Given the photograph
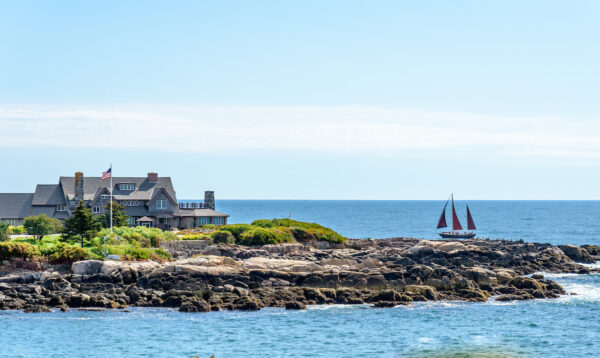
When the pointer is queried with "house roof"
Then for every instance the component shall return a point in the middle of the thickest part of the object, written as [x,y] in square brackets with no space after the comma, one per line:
[198,213]
[48,194]
[19,206]
[145,219]
[144,190]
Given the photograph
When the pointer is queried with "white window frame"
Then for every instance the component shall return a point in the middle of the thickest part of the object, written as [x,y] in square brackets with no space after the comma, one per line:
[127,187]
[96,209]
[105,196]
[12,222]
[61,208]
[131,203]
[161,204]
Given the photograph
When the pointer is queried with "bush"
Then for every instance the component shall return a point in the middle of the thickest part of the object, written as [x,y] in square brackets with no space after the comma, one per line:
[223,237]
[41,225]
[16,230]
[262,236]
[63,253]
[9,250]
[195,237]
[4,232]
[132,253]
[140,236]
[303,230]
[209,226]
[302,235]
[236,229]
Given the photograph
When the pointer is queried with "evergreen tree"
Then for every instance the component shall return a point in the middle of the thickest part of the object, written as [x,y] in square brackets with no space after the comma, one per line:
[82,224]
[119,217]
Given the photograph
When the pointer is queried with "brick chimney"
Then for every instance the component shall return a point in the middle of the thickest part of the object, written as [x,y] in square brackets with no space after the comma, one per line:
[209,199]
[78,187]
[152,177]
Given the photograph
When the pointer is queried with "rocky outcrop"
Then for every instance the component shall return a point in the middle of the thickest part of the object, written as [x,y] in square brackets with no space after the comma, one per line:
[384,273]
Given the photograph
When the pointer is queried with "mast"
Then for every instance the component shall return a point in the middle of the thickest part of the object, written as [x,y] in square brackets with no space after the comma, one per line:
[455,223]
[470,222]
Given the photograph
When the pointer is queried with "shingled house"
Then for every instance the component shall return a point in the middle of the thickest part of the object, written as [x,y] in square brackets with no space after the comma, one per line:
[149,201]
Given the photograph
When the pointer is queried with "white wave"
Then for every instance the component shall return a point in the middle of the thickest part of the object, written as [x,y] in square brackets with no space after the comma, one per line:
[595,265]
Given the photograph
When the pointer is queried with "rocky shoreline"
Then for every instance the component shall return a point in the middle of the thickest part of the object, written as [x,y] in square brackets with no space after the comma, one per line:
[384,272]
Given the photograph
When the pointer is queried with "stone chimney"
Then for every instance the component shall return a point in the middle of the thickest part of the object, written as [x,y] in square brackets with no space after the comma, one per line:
[78,187]
[152,177]
[209,199]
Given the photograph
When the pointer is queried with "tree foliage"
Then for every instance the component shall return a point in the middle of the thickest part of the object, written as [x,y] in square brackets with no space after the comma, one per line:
[41,225]
[82,224]
[4,234]
[119,216]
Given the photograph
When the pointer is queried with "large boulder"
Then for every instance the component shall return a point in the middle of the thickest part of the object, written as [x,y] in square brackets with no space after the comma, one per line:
[522,282]
[577,254]
[481,276]
[87,267]
[419,251]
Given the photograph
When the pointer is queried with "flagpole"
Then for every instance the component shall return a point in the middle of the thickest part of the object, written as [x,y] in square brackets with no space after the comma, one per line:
[111,200]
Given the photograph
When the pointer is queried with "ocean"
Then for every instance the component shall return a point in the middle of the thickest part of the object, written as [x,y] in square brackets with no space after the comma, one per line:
[555,222]
[565,327]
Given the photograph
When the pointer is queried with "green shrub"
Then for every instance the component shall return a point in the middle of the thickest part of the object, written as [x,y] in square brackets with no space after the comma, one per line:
[302,235]
[266,223]
[209,226]
[4,232]
[140,236]
[9,250]
[263,236]
[319,232]
[195,237]
[130,252]
[223,237]
[16,230]
[63,253]
[236,229]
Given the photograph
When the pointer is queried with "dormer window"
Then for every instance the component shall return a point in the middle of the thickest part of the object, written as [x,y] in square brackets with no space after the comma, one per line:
[127,187]
[60,208]
[161,204]
[104,197]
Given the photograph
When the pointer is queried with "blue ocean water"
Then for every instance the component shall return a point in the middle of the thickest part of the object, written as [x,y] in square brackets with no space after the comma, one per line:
[555,222]
[566,327]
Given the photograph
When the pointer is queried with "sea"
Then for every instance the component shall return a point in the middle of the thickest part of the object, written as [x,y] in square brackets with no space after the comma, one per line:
[564,327]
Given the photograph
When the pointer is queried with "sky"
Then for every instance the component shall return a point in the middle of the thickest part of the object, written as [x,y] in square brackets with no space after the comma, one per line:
[386,100]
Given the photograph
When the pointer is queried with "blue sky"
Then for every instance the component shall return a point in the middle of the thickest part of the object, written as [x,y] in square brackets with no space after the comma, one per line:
[306,99]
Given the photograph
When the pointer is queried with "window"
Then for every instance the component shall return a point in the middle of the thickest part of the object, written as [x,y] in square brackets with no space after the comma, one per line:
[218,220]
[128,187]
[96,209]
[131,221]
[161,204]
[202,221]
[12,222]
[60,208]
[130,203]
[104,197]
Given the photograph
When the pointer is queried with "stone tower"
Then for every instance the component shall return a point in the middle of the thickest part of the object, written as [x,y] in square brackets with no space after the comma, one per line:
[78,187]
[209,199]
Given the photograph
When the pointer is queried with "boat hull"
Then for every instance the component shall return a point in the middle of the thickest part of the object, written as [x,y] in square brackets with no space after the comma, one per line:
[457,235]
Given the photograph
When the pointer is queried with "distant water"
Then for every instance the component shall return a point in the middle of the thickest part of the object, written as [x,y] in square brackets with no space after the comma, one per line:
[567,327]
[556,222]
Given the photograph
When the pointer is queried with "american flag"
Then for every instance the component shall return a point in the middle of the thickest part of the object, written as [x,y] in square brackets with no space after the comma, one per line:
[107,174]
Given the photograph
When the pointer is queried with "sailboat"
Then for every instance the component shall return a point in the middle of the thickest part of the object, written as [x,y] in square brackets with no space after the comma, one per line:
[457,228]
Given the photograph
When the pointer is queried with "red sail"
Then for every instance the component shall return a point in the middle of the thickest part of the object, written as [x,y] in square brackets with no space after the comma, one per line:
[470,222]
[455,223]
[442,221]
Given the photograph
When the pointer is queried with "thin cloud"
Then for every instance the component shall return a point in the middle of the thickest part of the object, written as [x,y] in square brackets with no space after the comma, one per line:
[343,129]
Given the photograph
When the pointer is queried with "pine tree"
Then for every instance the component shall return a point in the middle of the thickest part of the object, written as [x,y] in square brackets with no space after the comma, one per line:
[119,216]
[82,224]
